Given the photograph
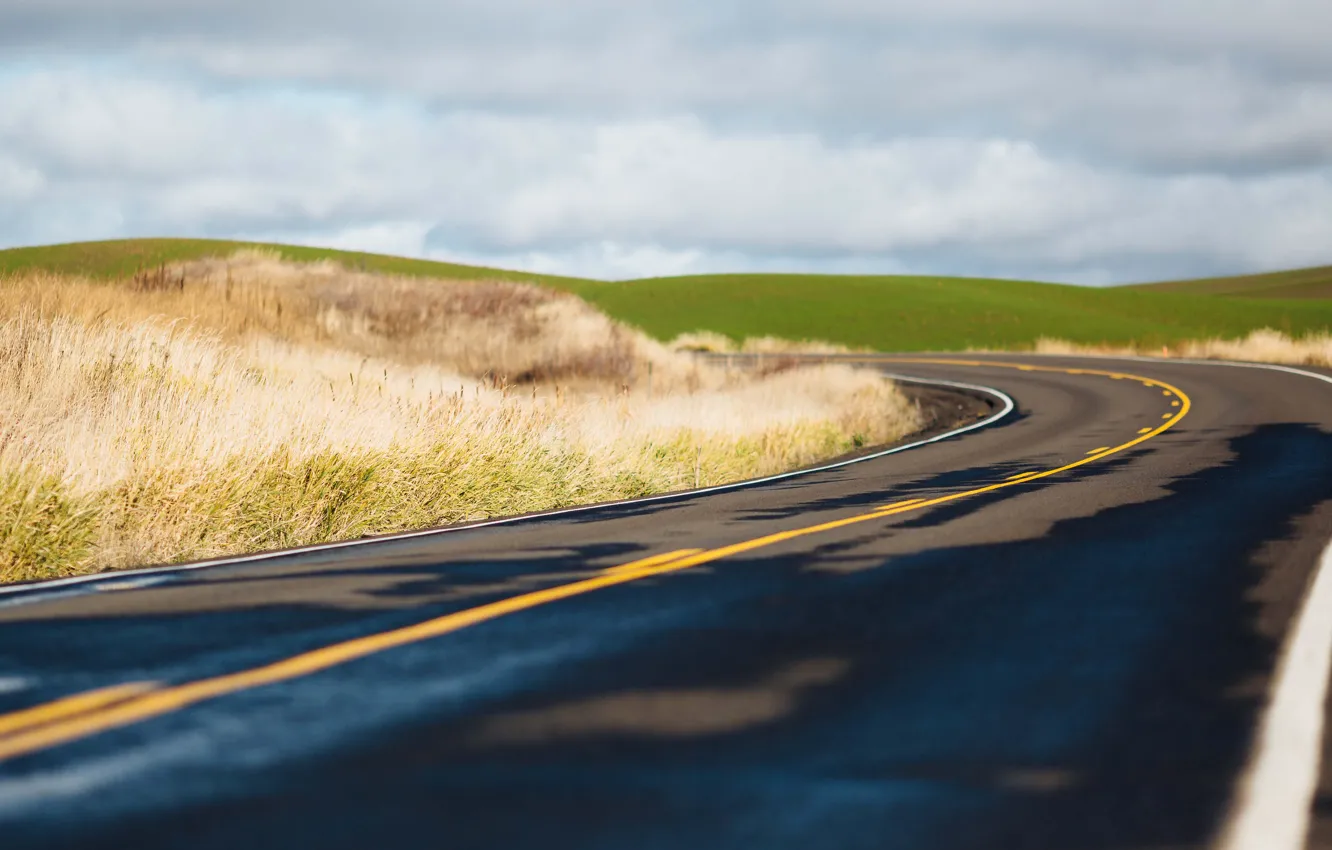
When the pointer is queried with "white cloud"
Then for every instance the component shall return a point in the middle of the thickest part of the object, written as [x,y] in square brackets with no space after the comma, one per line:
[397,238]
[1059,138]
[1221,83]
[18,181]
[1212,109]
[603,260]
[1286,28]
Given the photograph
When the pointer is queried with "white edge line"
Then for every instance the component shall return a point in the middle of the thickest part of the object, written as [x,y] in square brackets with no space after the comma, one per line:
[39,591]
[1276,792]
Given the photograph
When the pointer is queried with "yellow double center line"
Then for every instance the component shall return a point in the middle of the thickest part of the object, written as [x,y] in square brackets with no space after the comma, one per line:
[84,714]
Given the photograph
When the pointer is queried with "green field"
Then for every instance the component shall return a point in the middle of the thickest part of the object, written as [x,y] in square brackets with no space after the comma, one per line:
[929,313]
[1299,283]
[883,312]
[123,257]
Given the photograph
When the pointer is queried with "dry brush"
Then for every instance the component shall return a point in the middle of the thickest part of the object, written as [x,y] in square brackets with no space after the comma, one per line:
[1265,345]
[229,406]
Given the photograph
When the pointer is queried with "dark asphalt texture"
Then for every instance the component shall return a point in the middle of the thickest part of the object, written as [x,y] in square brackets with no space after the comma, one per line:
[1075,662]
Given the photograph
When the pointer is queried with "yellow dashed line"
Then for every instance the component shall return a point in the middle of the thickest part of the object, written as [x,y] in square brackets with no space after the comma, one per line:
[71,706]
[895,505]
[654,561]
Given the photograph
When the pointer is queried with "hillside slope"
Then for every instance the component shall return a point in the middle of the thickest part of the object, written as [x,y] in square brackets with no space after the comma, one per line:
[1298,283]
[248,403]
[881,312]
[930,313]
[123,257]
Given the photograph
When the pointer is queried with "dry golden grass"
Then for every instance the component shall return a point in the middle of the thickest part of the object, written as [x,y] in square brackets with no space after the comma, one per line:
[238,406]
[1260,346]
[712,342]
[503,331]
[1267,346]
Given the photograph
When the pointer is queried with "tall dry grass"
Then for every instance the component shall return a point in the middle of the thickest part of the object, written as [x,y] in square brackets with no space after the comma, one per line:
[1261,346]
[504,331]
[716,343]
[223,408]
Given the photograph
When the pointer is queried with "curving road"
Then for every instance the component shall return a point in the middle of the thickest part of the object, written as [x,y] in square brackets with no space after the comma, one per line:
[1069,628]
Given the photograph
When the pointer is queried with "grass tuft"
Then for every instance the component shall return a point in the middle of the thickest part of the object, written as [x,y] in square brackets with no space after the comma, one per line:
[44,531]
[1264,345]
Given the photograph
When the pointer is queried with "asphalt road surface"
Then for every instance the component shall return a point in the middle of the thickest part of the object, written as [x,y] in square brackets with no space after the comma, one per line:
[1070,628]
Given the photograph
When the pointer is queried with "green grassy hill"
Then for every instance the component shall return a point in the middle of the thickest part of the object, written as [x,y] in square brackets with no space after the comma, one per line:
[123,257]
[883,312]
[918,313]
[1298,283]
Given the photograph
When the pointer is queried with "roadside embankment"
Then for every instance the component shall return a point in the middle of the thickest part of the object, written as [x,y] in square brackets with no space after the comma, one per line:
[226,406]
[1261,346]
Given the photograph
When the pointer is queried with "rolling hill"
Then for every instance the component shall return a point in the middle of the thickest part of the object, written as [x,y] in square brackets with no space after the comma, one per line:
[1298,283]
[123,257]
[883,312]
[931,313]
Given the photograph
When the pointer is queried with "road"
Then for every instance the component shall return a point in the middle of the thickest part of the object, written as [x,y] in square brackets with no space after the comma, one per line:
[1061,630]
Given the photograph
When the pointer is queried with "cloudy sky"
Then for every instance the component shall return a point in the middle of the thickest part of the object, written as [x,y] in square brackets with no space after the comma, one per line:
[1075,140]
